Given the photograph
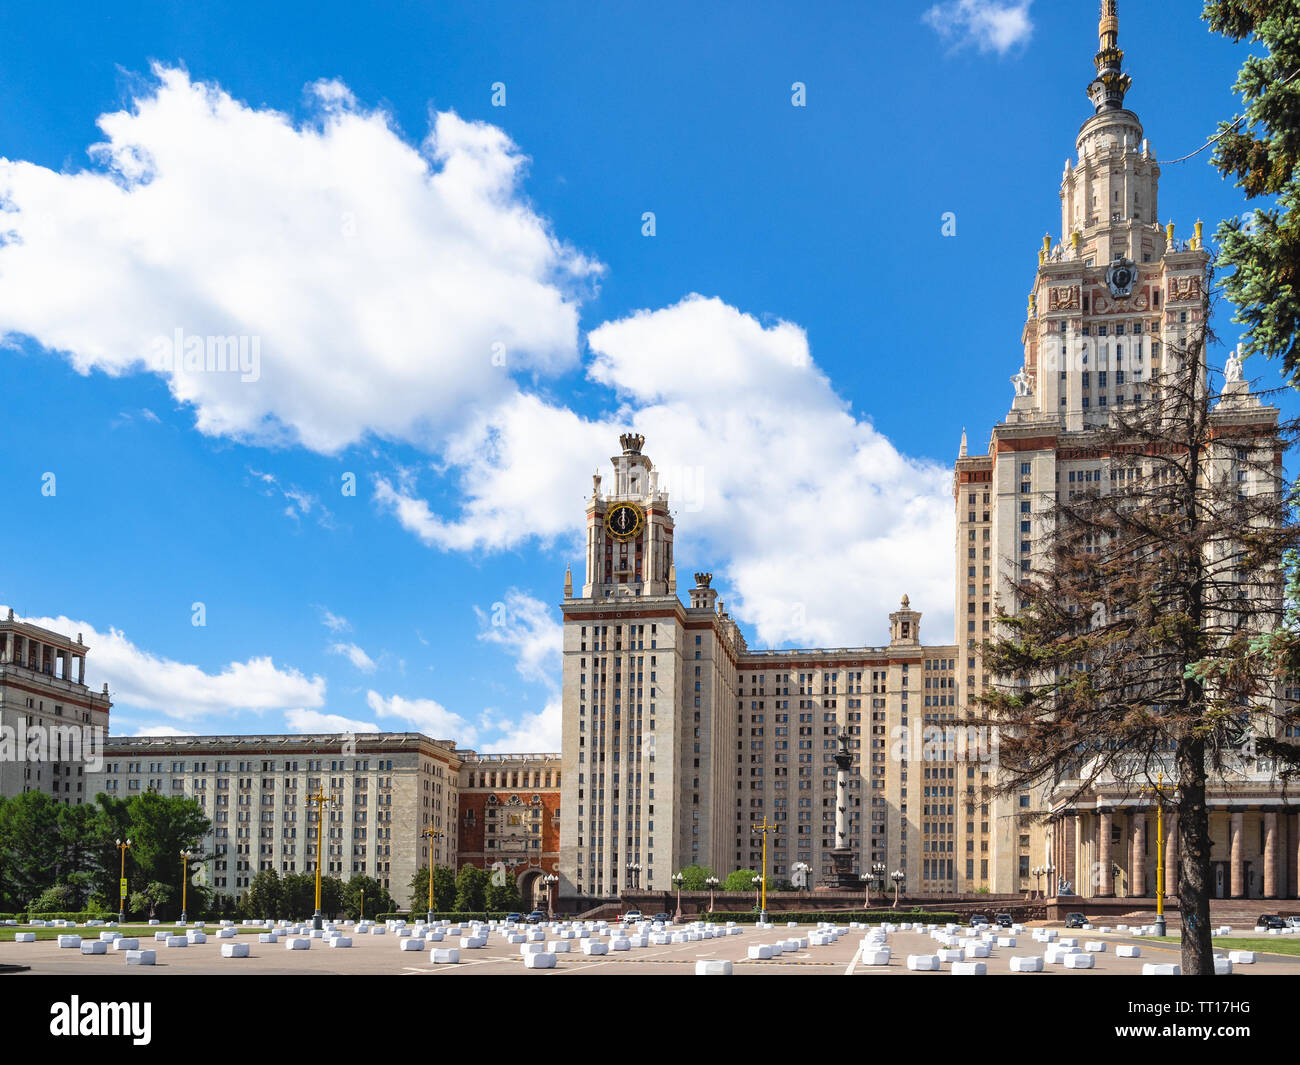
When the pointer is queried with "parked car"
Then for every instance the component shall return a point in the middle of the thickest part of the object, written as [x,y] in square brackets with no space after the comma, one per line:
[632,917]
[514,918]
[1075,920]
[1003,920]
[978,920]
[1293,922]
[662,917]
[1270,920]
[536,917]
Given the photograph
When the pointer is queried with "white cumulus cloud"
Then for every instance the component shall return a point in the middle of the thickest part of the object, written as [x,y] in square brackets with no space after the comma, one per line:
[141,679]
[386,288]
[424,715]
[314,721]
[989,25]
[355,655]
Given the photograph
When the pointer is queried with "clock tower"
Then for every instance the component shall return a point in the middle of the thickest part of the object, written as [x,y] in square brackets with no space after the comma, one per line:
[629,531]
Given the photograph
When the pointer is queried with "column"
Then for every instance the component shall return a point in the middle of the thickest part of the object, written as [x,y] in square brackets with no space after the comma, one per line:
[1106,886]
[9,648]
[81,669]
[1137,866]
[1237,864]
[1171,854]
[1270,855]
[1293,856]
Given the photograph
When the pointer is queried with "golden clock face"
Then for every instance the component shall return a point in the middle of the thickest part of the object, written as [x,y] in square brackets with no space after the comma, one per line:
[624,520]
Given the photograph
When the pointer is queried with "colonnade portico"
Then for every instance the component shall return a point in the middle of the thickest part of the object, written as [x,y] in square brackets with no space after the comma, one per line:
[56,659]
[1104,850]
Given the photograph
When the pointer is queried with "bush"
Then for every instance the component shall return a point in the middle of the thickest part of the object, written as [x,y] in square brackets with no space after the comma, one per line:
[59,897]
[71,915]
[453,915]
[13,917]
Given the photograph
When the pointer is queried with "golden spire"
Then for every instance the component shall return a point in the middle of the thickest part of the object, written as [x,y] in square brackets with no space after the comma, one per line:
[1111,83]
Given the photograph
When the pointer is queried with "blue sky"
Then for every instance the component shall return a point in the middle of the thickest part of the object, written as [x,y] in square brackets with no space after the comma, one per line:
[455,304]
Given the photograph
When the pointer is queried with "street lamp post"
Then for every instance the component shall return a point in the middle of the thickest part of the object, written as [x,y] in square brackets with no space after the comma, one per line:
[713,882]
[763,829]
[433,834]
[1049,870]
[550,880]
[322,802]
[757,882]
[185,884]
[677,879]
[897,876]
[123,845]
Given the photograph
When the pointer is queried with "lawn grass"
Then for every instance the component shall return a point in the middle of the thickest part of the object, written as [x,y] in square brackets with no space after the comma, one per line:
[1261,944]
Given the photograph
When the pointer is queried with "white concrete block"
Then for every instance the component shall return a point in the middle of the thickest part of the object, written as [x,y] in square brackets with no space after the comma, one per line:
[557,946]
[297,943]
[473,942]
[923,962]
[1006,941]
[172,942]
[24,937]
[969,968]
[1161,969]
[542,960]
[951,955]
[1094,946]
[410,943]
[445,956]
[227,933]
[762,951]
[592,947]
[1241,957]
[70,942]
[141,957]
[712,967]
[1080,961]
[196,937]
[1031,964]
[268,937]
[620,943]
[532,948]
[977,950]
[1128,950]
[1069,942]
[234,950]
[874,957]
[108,937]
[341,942]
[94,946]
[1222,966]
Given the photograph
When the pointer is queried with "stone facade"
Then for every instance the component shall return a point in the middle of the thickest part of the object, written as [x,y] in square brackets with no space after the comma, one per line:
[51,725]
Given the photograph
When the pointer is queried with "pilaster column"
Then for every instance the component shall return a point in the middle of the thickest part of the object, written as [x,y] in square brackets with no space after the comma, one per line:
[1137,865]
[81,669]
[1270,855]
[1106,888]
[1236,862]
[9,648]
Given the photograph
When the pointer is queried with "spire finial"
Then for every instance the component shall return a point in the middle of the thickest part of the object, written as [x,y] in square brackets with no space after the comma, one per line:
[962,453]
[1111,83]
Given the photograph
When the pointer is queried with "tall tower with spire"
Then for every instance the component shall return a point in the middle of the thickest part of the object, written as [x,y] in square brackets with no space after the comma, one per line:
[1114,300]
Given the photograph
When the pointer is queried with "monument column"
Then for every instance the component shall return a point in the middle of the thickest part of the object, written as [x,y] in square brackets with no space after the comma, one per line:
[1171,855]
[1106,882]
[843,876]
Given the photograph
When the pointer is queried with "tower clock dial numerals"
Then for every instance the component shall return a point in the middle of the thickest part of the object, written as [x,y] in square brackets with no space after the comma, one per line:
[624,520]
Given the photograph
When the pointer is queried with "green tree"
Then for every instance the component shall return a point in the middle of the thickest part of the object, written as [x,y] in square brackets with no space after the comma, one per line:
[331,896]
[1260,148]
[364,894]
[264,897]
[149,898]
[298,895]
[57,899]
[694,877]
[503,896]
[160,828]
[740,880]
[29,831]
[444,889]
[471,888]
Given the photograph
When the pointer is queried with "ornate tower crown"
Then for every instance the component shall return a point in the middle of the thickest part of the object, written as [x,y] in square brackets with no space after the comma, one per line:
[1107,90]
[702,579]
[631,443]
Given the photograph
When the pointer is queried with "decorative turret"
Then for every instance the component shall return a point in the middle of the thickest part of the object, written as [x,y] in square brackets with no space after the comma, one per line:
[1107,90]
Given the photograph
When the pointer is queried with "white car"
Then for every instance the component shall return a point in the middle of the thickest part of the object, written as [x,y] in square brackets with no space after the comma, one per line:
[631,917]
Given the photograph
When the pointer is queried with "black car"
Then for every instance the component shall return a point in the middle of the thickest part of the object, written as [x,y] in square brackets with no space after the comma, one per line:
[1075,920]
[978,920]
[514,918]
[661,917]
[1270,920]
[536,917]
[1002,920]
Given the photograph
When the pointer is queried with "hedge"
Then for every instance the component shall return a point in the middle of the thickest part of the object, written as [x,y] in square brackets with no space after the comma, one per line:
[78,915]
[471,915]
[816,916]
[13,917]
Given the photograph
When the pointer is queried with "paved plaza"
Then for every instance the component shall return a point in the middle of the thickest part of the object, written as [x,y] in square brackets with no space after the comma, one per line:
[806,949]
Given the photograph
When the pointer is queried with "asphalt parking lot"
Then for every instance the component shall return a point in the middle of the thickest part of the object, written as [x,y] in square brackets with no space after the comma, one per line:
[371,954]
